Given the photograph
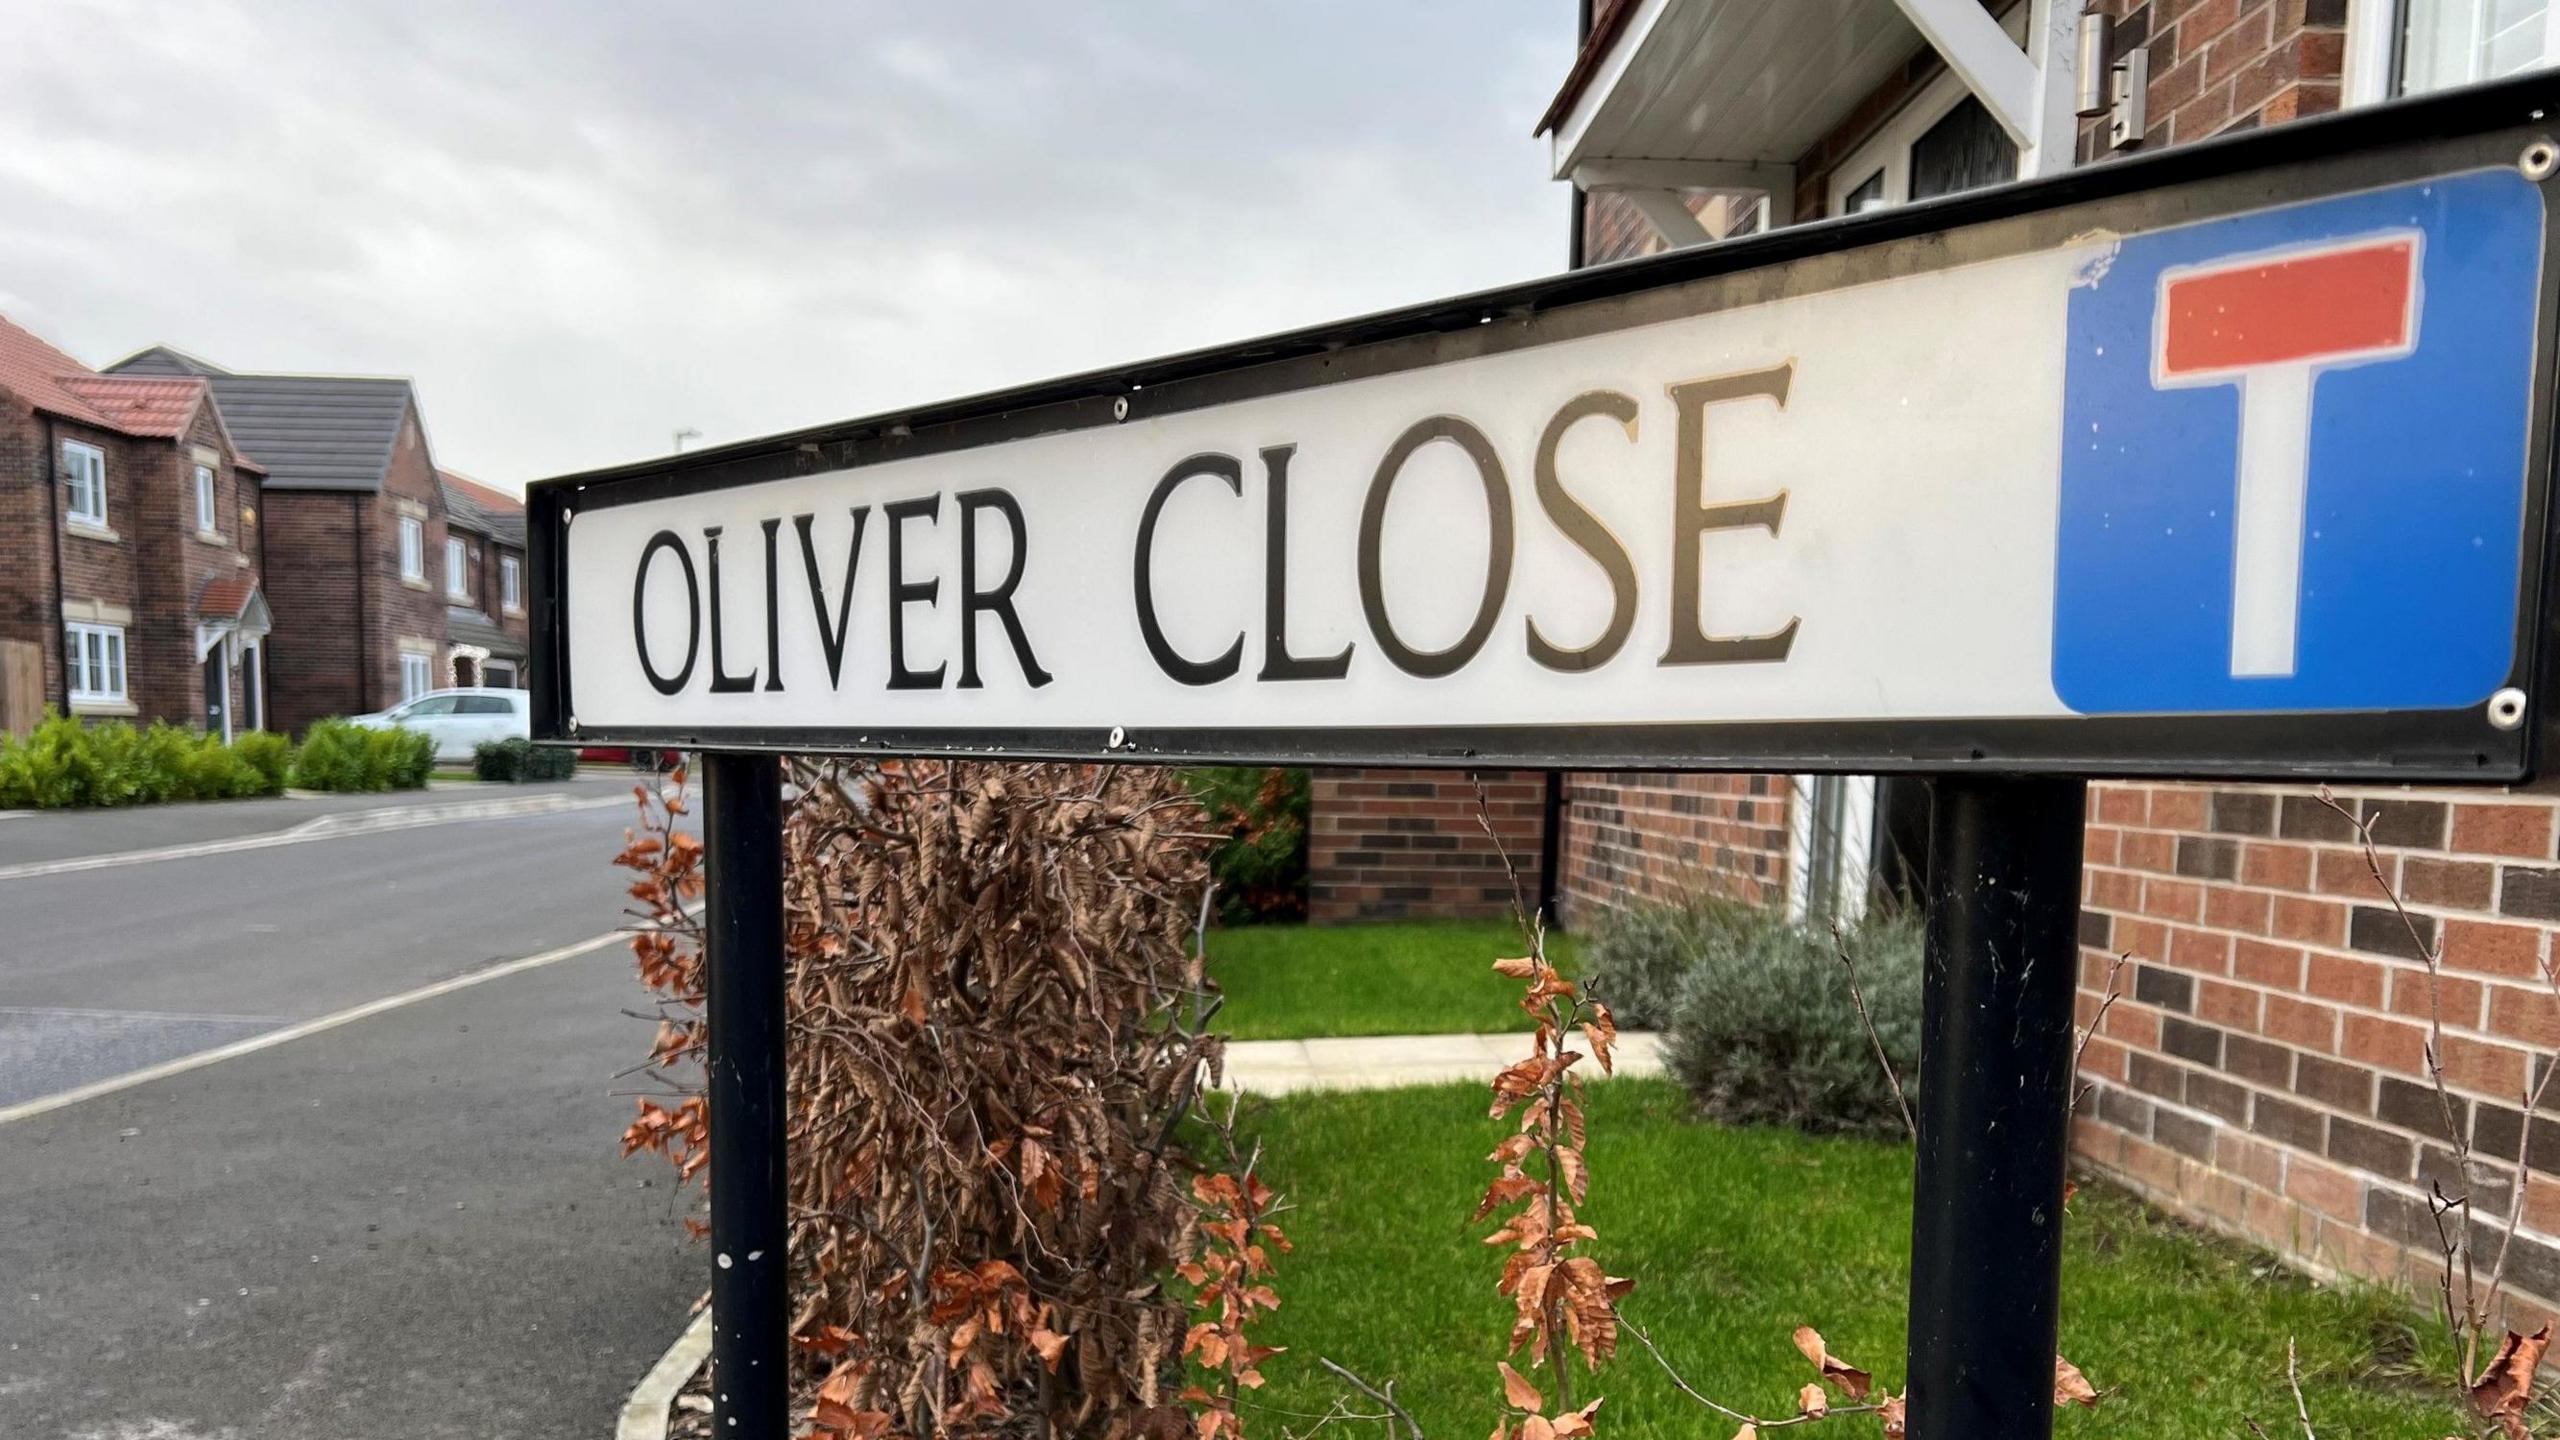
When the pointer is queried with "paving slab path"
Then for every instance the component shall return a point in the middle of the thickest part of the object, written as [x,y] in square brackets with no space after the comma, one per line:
[1377,1062]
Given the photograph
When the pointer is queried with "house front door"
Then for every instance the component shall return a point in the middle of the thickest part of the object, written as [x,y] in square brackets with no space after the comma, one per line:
[217,694]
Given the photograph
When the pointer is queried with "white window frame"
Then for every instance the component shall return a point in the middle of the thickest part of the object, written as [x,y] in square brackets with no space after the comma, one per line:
[2373,48]
[208,511]
[457,568]
[84,476]
[1889,149]
[97,657]
[413,548]
[511,584]
[1855,844]
[417,674]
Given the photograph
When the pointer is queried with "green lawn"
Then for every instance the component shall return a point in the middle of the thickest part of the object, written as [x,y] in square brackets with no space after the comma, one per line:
[1737,1236]
[1289,982]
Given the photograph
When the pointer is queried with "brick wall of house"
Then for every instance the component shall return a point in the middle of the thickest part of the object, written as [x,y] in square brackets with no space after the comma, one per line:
[315,654]
[26,581]
[2265,1065]
[1392,844]
[407,614]
[1652,837]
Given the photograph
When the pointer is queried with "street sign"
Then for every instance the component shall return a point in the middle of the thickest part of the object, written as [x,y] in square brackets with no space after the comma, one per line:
[2228,462]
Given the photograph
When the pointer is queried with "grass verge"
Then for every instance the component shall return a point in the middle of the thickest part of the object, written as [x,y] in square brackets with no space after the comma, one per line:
[1737,1236]
[1294,982]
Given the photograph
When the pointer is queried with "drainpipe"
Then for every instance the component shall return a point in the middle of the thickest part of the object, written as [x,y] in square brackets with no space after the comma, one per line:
[52,472]
[1551,813]
[1581,203]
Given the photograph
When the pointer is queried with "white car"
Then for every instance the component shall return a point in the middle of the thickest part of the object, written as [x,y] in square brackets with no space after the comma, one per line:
[459,720]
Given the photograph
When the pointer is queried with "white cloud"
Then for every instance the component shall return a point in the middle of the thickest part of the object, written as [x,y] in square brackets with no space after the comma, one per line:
[580,226]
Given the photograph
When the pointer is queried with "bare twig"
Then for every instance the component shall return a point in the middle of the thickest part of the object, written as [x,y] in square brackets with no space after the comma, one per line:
[1739,1417]
[2097,1022]
[1385,1396]
[2293,1378]
[1858,997]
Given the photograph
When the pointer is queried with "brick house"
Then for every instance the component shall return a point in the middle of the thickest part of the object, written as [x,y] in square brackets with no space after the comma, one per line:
[131,584]
[487,620]
[355,532]
[2264,1073]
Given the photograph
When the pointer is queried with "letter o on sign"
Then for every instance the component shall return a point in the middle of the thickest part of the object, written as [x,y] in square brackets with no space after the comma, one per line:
[1373,518]
[666,540]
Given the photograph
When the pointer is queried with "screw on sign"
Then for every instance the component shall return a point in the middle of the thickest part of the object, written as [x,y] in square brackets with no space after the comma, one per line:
[2268,325]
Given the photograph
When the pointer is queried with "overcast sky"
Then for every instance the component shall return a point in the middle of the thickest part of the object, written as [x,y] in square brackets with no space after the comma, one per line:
[582,225]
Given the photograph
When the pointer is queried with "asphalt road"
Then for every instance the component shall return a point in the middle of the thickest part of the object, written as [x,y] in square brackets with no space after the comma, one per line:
[416,1224]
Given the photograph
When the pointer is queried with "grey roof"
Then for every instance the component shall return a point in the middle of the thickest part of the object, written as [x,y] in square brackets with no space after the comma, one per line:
[465,511]
[312,432]
[466,626]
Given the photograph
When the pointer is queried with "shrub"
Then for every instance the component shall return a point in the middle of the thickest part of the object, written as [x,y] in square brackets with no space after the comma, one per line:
[513,760]
[1765,1032]
[340,755]
[1637,956]
[1261,867]
[66,763]
[269,758]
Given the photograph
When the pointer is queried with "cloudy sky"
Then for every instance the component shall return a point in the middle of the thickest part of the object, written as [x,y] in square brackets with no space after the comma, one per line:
[580,226]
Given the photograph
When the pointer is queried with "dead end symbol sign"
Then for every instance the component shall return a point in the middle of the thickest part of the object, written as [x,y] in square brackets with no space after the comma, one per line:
[2293,451]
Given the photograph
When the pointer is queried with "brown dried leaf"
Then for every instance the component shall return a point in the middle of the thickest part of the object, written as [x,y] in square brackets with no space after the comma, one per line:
[1896,1423]
[1517,1392]
[1835,1371]
[2070,1387]
[1519,967]
[1812,1401]
[2507,1385]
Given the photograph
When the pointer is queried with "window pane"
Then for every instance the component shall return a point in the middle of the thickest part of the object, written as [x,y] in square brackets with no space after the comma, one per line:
[1868,196]
[1965,151]
[2457,42]
[115,663]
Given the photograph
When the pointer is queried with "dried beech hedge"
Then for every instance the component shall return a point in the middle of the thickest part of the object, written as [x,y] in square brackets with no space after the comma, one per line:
[995,1009]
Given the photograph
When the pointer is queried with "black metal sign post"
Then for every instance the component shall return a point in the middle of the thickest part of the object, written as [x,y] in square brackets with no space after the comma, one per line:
[1995,1105]
[1991,491]
[750,1226]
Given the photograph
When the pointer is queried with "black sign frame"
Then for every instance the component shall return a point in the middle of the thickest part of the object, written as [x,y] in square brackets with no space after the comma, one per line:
[2412,140]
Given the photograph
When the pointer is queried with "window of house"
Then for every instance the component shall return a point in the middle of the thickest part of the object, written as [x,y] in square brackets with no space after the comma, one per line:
[1942,141]
[84,483]
[206,518]
[417,674]
[2459,42]
[510,584]
[97,663]
[457,577]
[413,548]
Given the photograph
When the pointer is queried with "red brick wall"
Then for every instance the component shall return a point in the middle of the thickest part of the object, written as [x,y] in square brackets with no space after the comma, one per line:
[1392,844]
[312,590]
[2265,1066]
[400,608]
[2219,65]
[1662,837]
[26,525]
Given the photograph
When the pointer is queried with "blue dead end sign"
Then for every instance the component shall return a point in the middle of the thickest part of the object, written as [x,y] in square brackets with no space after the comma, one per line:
[2294,462]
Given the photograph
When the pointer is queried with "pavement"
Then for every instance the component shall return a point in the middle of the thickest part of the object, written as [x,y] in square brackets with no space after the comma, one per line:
[408,1218]
[1377,1062]
[32,836]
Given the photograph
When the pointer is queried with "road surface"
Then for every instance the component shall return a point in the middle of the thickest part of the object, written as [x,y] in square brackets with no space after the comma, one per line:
[415,1223]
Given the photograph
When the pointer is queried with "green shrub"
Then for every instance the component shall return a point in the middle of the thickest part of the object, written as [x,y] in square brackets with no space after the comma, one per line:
[66,763]
[1636,958]
[341,755]
[1261,867]
[1764,1030]
[269,758]
[403,758]
[513,760]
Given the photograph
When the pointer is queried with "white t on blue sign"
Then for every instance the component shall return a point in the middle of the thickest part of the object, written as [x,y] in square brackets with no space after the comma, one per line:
[2294,449]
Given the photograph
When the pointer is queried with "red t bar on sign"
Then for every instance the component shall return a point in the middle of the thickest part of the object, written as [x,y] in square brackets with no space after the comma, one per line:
[2269,325]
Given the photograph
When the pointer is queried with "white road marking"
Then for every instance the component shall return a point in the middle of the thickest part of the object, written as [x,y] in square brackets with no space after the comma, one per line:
[324,827]
[290,1033]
